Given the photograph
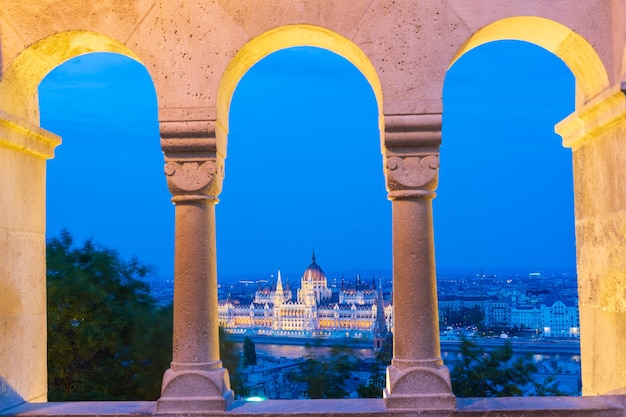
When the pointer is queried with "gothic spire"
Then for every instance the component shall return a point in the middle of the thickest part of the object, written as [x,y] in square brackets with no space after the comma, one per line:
[279,292]
[279,283]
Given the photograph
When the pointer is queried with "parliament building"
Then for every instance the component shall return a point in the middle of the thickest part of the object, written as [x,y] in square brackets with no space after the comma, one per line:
[356,311]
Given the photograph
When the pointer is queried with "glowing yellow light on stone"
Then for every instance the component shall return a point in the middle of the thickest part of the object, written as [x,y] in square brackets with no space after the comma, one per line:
[20,82]
[573,49]
[282,38]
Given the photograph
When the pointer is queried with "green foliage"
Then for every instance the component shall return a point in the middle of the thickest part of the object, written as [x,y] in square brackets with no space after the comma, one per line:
[325,376]
[230,356]
[495,374]
[385,354]
[476,374]
[480,374]
[376,383]
[249,352]
[107,337]
[549,387]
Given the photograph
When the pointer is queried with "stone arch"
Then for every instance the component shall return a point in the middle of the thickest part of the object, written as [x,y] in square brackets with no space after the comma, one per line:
[593,132]
[577,53]
[282,38]
[27,147]
[20,82]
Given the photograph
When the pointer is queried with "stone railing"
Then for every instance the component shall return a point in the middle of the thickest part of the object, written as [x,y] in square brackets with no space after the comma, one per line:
[601,406]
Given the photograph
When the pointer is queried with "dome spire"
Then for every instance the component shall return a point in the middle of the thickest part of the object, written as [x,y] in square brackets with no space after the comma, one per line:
[313,257]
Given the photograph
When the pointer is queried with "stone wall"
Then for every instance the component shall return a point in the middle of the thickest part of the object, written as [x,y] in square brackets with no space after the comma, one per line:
[23,149]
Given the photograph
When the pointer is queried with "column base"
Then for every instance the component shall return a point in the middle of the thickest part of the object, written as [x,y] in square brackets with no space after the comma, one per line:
[419,388]
[194,391]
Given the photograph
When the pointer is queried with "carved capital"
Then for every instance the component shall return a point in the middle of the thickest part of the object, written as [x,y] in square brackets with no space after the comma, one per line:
[413,171]
[191,179]
[411,150]
[194,167]
[412,175]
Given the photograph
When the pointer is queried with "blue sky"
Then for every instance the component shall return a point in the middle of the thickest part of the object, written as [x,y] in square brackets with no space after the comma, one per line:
[505,198]
[304,168]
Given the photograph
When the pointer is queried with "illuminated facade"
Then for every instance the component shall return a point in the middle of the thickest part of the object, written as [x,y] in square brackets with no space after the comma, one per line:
[315,313]
[560,320]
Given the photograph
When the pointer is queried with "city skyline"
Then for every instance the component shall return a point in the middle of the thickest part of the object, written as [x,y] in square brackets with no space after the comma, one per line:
[283,197]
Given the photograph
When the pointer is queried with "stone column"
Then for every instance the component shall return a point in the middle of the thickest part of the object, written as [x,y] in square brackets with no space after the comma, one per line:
[596,133]
[196,380]
[24,149]
[417,378]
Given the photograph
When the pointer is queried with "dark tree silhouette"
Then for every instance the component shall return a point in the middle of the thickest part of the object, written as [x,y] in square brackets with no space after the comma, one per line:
[107,337]
[376,383]
[325,376]
[249,352]
[230,355]
[496,373]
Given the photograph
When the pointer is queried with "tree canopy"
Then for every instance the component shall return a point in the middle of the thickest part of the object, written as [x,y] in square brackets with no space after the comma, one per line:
[249,352]
[476,374]
[325,376]
[230,355]
[496,374]
[376,383]
[108,339]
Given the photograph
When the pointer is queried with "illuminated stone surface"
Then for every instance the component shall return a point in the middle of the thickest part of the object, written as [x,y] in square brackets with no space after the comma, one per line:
[23,152]
[595,132]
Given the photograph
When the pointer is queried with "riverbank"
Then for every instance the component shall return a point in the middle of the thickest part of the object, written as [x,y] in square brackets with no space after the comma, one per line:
[534,346]
[304,341]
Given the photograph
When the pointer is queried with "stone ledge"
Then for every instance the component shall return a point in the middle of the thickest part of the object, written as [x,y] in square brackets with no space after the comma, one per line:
[602,406]
[22,136]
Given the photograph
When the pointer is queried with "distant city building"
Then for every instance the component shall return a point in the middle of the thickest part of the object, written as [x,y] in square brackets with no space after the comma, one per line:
[273,378]
[498,314]
[560,320]
[538,305]
[527,317]
[356,312]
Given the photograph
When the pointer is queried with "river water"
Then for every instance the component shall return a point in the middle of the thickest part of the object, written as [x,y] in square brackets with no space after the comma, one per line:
[564,365]
[299,351]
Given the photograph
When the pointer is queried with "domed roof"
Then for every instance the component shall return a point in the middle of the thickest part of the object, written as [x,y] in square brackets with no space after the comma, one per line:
[313,273]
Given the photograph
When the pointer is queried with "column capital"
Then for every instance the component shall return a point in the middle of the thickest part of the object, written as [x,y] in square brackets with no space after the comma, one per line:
[194,167]
[411,154]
